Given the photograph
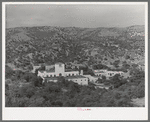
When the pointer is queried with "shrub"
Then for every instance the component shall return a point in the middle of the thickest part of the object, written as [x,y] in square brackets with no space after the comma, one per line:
[8,72]
[140,90]
[116,63]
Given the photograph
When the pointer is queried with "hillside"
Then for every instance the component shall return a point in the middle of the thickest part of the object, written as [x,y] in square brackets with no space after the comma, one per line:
[28,46]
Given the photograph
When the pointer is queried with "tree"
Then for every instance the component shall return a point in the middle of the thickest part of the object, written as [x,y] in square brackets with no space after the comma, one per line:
[137,74]
[125,65]
[99,80]
[127,57]
[90,72]
[99,66]
[42,67]
[91,61]
[36,72]
[103,77]
[57,103]
[40,80]
[8,72]
[28,76]
[61,78]
[140,90]
[134,66]
[35,81]
[30,67]
[19,74]
[116,80]
[30,92]
[116,63]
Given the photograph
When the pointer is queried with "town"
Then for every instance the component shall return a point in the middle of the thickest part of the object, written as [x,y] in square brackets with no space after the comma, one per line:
[53,72]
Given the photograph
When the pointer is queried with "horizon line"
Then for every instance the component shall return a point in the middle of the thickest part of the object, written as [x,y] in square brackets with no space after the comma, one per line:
[70,26]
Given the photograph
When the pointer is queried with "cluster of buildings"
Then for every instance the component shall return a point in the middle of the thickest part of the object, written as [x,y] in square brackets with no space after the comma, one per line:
[52,74]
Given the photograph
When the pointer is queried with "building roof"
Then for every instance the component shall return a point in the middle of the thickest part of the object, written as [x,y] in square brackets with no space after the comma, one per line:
[59,63]
[36,66]
[51,70]
[70,70]
[100,72]
[51,78]
[69,77]
[75,77]
[96,76]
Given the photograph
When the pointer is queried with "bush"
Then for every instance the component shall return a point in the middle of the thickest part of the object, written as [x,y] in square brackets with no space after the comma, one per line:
[103,77]
[99,80]
[116,63]
[70,94]
[8,72]
[140,90]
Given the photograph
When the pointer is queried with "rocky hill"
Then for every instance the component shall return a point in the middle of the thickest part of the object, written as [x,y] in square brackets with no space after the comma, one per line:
[27,46]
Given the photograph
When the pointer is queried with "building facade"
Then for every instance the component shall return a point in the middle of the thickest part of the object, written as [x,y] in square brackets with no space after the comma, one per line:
[107,73]
[81,80]
[59,70]
[92,79]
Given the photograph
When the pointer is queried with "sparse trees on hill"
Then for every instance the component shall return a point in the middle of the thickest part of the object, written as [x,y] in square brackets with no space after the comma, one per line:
[116,63]
[99,66]
[64,93]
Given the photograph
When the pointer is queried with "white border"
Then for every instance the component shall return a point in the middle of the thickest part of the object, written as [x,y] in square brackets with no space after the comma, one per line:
[95,113]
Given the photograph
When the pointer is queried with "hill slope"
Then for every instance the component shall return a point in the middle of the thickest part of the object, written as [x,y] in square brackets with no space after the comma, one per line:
[27,46]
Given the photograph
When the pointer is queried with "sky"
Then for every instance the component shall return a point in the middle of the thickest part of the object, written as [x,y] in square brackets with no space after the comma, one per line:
[81,15]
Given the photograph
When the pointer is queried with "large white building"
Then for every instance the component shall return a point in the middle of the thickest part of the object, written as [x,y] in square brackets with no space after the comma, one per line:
[58,70]
[92,79]
[52,74]
[108,74]
[81,80]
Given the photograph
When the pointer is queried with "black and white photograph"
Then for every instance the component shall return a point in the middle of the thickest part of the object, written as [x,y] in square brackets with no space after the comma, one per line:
[83,56]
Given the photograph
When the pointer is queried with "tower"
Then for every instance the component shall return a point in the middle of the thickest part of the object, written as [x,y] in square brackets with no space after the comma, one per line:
[59,69]
[81,72]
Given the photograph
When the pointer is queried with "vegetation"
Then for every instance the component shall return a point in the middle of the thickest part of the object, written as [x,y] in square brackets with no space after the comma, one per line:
[116,63]
[28,46]
[99,66]
[27,90]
